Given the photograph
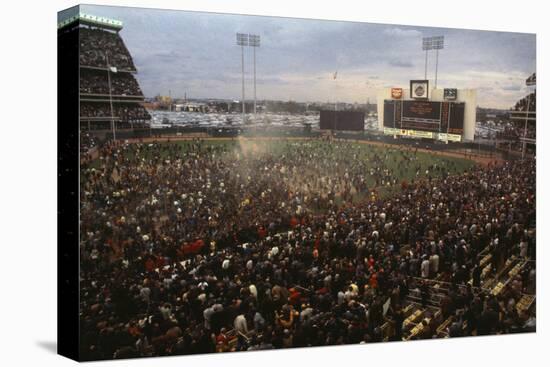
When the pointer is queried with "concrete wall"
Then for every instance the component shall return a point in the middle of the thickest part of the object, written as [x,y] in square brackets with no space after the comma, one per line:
[468,96]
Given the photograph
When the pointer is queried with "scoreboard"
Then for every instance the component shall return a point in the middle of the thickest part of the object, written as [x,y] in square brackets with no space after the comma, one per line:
[342,120]
[425,117]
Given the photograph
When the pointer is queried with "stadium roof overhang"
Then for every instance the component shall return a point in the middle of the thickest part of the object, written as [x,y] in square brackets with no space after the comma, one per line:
[74,15]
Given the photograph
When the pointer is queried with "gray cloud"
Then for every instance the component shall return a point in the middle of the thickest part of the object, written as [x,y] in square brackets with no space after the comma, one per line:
[512,87]
[195,53]
[401,63]
[400,32]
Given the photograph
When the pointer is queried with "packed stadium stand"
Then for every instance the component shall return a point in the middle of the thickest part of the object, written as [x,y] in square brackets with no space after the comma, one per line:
[94,82]
[521,135]
[110,96]
[442,258]
[102,48]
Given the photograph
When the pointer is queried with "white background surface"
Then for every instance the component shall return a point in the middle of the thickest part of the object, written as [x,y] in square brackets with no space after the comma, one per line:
[28,182]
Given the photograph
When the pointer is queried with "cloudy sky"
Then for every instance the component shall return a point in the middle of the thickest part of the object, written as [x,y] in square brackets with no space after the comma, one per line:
[196,53]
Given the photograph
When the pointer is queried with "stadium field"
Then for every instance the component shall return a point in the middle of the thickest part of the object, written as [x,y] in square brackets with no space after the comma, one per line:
[402,164]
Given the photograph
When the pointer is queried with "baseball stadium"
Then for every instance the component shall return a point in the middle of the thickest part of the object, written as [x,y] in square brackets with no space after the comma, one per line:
[408,219]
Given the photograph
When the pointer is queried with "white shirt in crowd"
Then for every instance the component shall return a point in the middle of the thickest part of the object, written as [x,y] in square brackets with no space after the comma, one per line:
[523,249]
[240,324]
[434,263]
[145,294]
[253,290]
[225,264]
[425,268]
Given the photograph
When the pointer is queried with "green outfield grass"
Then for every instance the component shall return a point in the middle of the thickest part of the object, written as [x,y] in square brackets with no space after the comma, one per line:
[391,155]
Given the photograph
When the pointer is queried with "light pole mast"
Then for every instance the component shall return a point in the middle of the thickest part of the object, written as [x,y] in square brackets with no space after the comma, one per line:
[432,43]
[242,40]
[335,98]
[254,42]
[426,46]
[254,81]
[243,109]
[438,44]
[436,64]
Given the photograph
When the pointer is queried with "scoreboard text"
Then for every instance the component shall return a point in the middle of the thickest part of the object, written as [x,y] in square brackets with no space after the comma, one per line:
[437,117]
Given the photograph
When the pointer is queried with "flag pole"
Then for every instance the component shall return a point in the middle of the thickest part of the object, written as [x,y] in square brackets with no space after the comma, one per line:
[110,95]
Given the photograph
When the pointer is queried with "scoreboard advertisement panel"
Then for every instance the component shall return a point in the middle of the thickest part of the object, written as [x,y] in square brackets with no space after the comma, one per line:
[456,118]
[423,134]
[439,118]
[342,120]
[421,115]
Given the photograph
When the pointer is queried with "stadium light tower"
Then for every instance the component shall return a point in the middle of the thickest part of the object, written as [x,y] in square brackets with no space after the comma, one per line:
[432,43]
[426,46]
[242,40]
[254,42]
[437,45]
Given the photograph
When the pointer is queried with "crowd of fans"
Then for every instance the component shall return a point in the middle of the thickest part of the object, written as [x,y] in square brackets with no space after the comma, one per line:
[532,80]
[514,133]
[100,48]
[87,142]
[122,111]
[97,82]
[528,103]
[186,248]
